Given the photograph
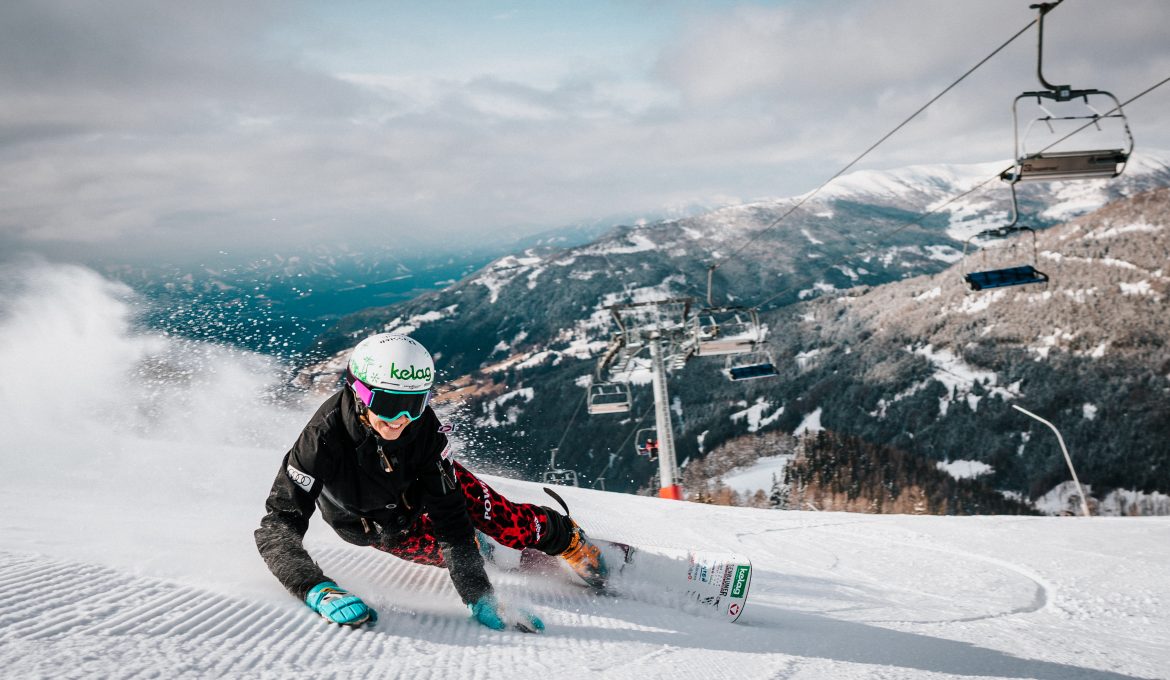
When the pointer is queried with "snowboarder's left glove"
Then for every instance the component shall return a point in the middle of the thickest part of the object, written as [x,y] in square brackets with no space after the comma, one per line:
[488,611]
[337,605]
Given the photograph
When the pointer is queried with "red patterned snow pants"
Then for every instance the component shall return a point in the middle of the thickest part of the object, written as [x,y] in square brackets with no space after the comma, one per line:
[514,525]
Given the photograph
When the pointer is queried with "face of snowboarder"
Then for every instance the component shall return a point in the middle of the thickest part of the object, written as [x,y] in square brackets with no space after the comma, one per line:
[387,429]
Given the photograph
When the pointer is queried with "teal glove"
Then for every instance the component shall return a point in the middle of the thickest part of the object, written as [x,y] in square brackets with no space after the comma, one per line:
[488,611]
[336,605]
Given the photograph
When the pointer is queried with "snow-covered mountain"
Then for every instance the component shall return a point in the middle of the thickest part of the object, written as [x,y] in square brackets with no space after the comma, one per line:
[521,336]
[928,366]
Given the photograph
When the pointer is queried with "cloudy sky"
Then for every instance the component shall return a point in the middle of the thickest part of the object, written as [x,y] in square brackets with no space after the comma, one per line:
[140,127]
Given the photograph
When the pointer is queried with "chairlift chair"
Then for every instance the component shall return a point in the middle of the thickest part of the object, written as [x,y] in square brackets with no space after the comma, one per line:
[1044,166]
[562,477]
[646,443]
[758,364]
[725,330]
[1007,276]
[608,398]
[719,330]
[1048,166]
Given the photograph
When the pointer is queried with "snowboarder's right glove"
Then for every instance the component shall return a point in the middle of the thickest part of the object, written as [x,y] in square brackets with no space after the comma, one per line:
[337,606]
[488,611]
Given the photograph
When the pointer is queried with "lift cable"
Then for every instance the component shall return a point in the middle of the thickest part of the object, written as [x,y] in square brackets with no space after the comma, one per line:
[570,424]
[622,446]
[776,222]
[843,260]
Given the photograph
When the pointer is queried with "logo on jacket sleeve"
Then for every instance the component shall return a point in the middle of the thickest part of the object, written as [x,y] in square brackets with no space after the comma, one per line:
[301,479]
[446,429]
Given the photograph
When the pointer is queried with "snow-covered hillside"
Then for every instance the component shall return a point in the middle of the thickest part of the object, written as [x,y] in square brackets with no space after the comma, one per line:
[135,469]
[538,320]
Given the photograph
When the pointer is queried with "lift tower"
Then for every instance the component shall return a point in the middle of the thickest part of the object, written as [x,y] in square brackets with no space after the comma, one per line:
[660,328]
[669,332]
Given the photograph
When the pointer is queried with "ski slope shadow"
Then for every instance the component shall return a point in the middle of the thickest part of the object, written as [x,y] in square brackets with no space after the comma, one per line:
[766,629]
[840,615]
[662,622]
[811,635]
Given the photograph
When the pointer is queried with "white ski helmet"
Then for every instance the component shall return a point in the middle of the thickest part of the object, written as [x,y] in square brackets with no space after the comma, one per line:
[391,375]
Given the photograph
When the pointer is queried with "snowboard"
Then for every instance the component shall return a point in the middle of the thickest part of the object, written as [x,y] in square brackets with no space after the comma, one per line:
[704,582]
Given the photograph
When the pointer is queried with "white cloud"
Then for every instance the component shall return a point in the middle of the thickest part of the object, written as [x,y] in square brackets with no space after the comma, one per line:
[135,125]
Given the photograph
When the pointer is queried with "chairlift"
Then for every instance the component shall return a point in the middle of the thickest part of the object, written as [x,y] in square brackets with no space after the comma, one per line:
[725,330]
[608,398]
[1045,166]
[757,364]
[555,475]
[646,443]
[1048,166]
[562,477]
[1007,276]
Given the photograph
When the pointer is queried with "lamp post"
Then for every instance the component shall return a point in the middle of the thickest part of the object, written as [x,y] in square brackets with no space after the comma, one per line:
[1067,458]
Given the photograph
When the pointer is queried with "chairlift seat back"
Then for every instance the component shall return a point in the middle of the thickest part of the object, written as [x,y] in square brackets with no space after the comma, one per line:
[1011,276]
[598,408]
[721,346]
[1062,165]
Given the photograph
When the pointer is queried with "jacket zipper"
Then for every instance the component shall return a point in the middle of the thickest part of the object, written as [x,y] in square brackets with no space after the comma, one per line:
[385,461]
[389,468]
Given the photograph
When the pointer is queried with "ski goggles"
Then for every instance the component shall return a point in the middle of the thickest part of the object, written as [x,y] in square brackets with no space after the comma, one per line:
[390,405]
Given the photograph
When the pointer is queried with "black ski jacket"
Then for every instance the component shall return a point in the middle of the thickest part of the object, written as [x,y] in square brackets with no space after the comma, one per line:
[370,491]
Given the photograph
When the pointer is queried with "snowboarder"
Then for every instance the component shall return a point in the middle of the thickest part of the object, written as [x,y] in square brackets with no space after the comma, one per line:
[377,462]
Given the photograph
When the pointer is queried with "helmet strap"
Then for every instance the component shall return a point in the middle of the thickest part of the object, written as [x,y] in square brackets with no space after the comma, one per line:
[364,419]
[362,411]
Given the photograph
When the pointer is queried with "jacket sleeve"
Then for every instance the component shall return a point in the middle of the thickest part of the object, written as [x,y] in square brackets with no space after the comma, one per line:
[290,504]
[447,508]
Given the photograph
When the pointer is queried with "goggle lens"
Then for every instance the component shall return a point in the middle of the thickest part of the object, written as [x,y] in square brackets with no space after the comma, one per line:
[382,402]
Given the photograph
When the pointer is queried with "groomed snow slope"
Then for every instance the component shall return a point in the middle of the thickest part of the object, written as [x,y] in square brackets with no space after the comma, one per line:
[833,596]
[135,469]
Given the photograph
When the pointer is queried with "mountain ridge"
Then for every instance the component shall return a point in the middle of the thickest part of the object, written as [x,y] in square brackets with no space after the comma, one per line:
[536,319]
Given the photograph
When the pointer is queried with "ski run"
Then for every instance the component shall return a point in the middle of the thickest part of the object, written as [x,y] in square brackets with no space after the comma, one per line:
[833,596]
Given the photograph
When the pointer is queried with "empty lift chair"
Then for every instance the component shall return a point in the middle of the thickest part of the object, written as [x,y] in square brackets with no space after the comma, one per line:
[608,398]
[561,476]
[717,331]
[1050,166]
[725,330]
[1076,106]
[1017,275]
